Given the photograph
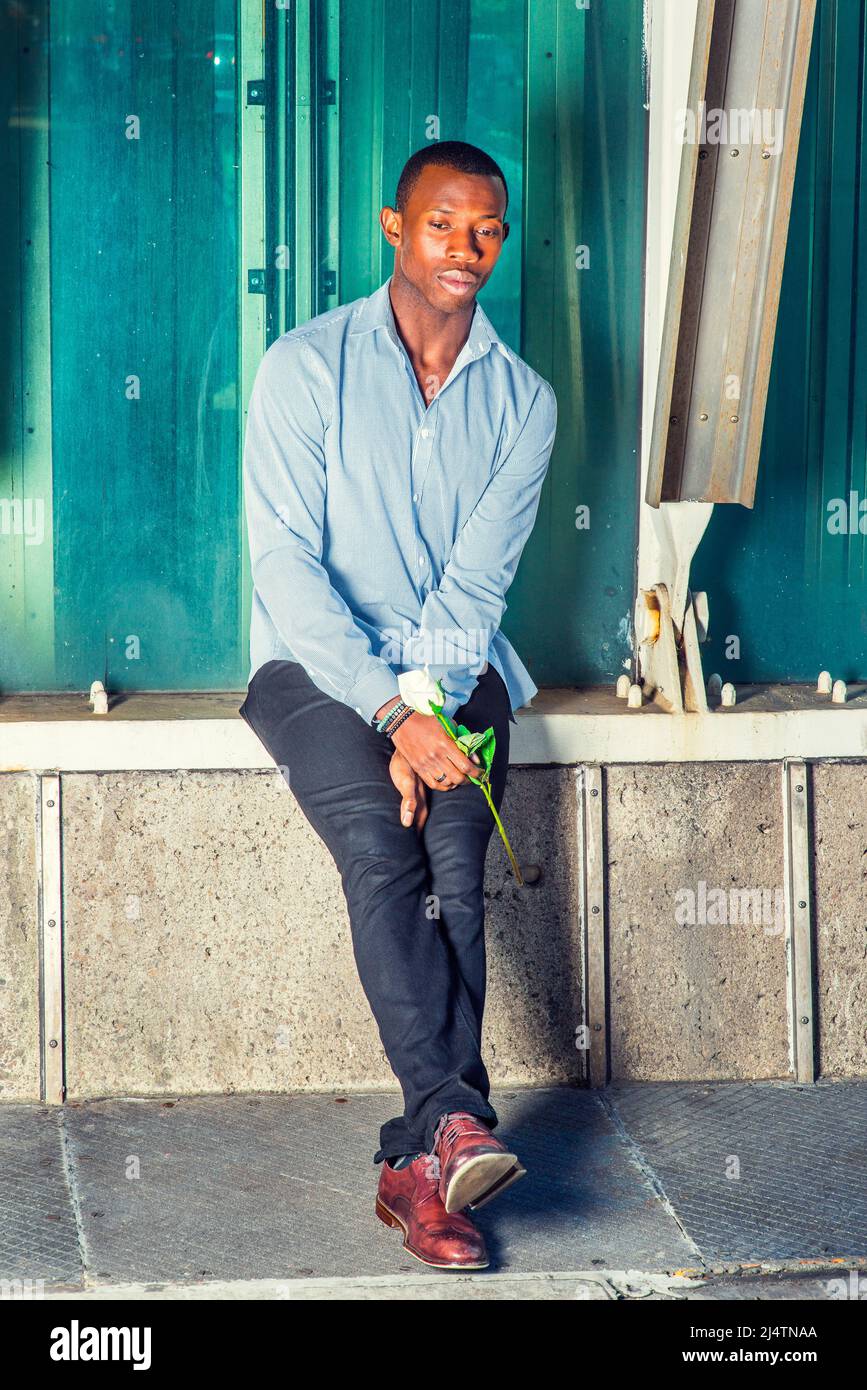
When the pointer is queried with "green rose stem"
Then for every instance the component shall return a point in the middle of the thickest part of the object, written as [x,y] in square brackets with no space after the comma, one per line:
[485,745]
[519,878]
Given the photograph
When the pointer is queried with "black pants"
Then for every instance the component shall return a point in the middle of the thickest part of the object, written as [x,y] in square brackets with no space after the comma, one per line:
[415,898]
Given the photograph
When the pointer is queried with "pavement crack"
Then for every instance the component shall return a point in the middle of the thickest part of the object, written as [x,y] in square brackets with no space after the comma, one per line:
[71,1175]
[324,1186]
[640,1161]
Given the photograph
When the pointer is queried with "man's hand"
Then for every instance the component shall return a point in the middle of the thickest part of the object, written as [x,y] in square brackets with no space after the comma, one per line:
[413,806]
[430,753]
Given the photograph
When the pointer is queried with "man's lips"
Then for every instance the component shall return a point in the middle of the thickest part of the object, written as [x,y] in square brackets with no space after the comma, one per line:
[457,282]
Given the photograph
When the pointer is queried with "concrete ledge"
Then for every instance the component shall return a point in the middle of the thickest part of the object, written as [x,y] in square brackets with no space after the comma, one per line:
[164,732]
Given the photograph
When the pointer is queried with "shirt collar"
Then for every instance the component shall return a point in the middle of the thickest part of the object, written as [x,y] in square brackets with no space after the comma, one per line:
[376,312]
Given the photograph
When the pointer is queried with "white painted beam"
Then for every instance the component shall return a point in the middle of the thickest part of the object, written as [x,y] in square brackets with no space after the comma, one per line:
[567,726]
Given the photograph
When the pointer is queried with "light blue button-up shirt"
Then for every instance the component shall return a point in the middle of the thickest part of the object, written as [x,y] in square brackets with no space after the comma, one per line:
[385,529]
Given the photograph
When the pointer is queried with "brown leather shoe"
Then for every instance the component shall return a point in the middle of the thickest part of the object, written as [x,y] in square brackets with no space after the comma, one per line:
[409,1199]
[474,1165]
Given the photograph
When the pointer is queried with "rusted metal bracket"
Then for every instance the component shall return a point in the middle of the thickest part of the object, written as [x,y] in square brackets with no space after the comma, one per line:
[671,620]
[670,657]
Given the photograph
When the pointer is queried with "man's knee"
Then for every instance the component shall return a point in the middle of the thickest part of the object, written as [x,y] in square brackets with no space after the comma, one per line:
[381,851]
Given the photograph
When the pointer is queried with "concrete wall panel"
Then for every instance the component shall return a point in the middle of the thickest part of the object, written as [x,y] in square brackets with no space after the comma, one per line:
[839,815]
[702,1000]
[19,940]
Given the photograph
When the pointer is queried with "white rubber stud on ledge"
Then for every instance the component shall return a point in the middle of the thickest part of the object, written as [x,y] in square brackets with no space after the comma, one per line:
[98,698]
[728,695]
[838,694]
[824,686]
[634,698]
[623,684]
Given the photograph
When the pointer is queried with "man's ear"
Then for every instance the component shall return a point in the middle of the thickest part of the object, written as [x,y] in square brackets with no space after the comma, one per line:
[391,223]
[505,231]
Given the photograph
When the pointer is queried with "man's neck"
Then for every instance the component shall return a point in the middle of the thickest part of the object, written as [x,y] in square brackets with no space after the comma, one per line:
[428,335]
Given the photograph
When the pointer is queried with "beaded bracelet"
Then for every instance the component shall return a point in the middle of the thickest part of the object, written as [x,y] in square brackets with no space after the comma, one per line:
[389,714]
[402,718]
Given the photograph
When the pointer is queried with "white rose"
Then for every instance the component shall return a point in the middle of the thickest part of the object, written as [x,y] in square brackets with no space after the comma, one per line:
[418,688]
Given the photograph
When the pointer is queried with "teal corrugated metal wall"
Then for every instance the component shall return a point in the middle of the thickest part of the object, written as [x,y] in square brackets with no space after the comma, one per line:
[136,359]
[142,348]
[789,578]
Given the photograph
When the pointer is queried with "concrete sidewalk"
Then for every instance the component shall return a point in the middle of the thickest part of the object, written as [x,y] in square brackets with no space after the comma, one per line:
[685,1190]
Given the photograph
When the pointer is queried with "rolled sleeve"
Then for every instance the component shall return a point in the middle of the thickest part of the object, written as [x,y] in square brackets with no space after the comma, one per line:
[284,496]
[460,617]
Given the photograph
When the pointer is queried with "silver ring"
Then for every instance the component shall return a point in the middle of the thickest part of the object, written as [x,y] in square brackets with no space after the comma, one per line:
[441,778]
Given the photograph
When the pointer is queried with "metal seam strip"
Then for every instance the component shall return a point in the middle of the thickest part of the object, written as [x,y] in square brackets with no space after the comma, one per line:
[252,254]
[590,798]
[51,1029]
[799,924]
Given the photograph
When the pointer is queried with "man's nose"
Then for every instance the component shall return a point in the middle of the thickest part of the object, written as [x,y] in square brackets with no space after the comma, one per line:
[463,248]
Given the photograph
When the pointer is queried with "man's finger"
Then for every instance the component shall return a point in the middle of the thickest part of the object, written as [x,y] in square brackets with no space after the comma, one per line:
[461,762]
[407,810]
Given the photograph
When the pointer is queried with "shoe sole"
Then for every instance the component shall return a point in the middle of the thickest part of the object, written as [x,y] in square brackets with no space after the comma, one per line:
[482,1178]
[506,1181]
[390,1218]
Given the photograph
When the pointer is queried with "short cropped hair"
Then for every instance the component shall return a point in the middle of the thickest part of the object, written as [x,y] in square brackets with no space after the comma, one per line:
[451,154]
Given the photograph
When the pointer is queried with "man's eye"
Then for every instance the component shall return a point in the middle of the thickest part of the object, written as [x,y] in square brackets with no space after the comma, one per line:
[439,224]
[488,231]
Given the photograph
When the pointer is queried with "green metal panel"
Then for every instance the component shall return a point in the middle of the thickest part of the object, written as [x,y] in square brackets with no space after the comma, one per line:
[585,157]
[26,529]
[790,587]
[137,223]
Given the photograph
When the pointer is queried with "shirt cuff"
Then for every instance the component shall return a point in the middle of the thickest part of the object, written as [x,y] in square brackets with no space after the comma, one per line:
[373,691]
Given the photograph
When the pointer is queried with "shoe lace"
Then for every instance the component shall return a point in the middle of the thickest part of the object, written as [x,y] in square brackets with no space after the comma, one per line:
[430,1166]
[452,1126]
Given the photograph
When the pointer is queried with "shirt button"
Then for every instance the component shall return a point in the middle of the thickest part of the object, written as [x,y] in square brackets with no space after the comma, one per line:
[416,497]
[357,710]
[425,434]
[421,559]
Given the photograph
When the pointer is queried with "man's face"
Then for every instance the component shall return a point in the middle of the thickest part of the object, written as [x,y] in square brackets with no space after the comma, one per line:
[449,238]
